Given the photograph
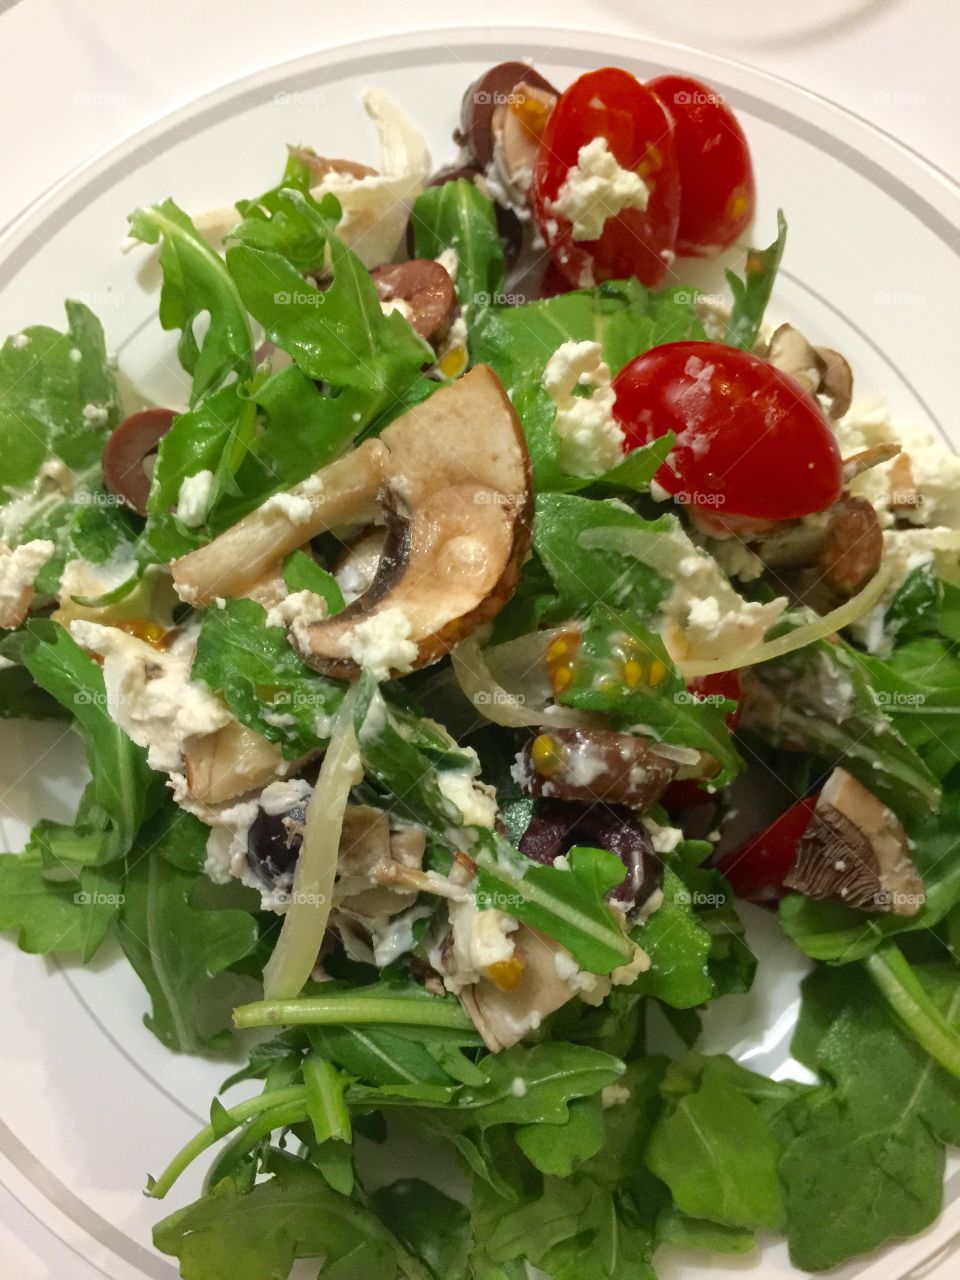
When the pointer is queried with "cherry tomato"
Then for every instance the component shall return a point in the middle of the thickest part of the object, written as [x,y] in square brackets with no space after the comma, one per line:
[614,105]
[750,441]
[757,867]
[688,793]
[717,191]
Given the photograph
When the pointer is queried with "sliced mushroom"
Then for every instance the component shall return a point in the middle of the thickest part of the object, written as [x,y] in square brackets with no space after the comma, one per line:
[458,506]
[852,548]
[424,288]
[594,764]
[345,492]
[867,459]
[502,1017]
[368,852]
[357,566]
[855,849]
[320,166]
[491,90]
[819,370]
[128,455]
[230,762]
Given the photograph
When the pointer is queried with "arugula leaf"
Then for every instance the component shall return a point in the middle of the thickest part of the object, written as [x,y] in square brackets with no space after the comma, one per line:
[196,282]
[181,954]
[839,934]
[651,696]
[58,405]
[458,216]
[715,1151]
[560,1149]
[339,334]
[431,1225]
[302,573]
[585,578]
[622,315]
[215,436]
[821,700]
[553,1075]
[124,790]
[752,293]
[22,699]
[294,1214]
[269,222]
[264,683]
[678,1229]
[379,1056]
[57,915]
[679,950]
[867,1163]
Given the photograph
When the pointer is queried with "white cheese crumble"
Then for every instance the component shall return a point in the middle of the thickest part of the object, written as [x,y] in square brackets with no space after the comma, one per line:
[149,691]
[193,499]
[518,1087]
[297,507]
[19,341]
[663,839]
[389,305]
[476,801]
[382,643]
[598,188]
[591,440]
[449,259]
[479,939]
[614,1095]
[96,414]
[18,572]
[298,611]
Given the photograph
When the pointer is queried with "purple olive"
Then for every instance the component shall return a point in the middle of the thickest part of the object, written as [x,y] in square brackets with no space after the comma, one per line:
[126,453]
[481,100]
[273,843]
[558,825]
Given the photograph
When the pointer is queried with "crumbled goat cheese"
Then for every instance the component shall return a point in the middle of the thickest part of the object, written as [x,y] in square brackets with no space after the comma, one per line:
[393,936]
[18,572]
[614,1095]
[149,691]
[297,507]
[75,355]
[736,559]
[96,414]
[382,643]
[663,839]
[280,797]
[518,1087]
[476,801]
[193,500]
[389,305]
[298,611]
[480,939]
[591,440]
[450,261]
[598,188]
[565,965]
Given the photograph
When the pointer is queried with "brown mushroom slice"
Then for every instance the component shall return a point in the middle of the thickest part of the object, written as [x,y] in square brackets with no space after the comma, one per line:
[230,762]
[345,492]
[356,568]
[867,459]
[458,503]
[856,850]
[819,370]
[852,547]
[503,1018]
[594,764]
[836,384]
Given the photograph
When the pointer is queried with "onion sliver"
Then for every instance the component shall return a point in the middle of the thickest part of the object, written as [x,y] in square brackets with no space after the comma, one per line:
[515,710]
[800,637]
[305,922]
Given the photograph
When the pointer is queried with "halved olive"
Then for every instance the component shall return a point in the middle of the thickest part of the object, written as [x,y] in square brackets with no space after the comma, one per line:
[127,450]
[491,90]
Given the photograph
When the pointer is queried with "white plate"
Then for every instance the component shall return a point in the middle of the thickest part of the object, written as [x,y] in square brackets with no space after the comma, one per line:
[89,1100]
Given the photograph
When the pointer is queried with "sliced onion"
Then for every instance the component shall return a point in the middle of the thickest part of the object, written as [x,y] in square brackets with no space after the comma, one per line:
[524,706]
[818,629]
[305,922]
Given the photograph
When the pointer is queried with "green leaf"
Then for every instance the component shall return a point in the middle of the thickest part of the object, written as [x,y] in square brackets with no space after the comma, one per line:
[181,954]
[550,1076]
[339,334]
[124,790]
[430,1224]
[378,1056]
[456,215]
[652,698]
[325,1101]
[196,282]
[715,1151]
[752,293]
[679,949]
[264,683]
[44,390]
[677,1229]
[294,1214]
[57,916]
[302,573]
[560,1149]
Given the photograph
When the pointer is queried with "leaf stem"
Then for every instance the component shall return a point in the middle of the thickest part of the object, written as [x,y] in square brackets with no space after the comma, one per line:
[340,1010]
[281,1101]
[901,988]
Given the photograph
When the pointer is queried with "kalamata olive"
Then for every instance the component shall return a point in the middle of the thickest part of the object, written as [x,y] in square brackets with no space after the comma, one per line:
[426,289]
[558,825]
[489,91]
[594,764]
[509,226]
[126,452]
[273,843]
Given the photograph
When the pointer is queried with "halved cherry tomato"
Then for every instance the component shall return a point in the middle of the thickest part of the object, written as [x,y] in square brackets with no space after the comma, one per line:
[750,441]
[688,793]
[614,105]
[717,191]
[757,867]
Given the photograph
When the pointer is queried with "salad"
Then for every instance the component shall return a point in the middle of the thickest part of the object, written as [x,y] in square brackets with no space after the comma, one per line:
[494,613]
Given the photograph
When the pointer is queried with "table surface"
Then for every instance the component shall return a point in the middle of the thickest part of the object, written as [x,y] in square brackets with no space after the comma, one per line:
[77,78]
